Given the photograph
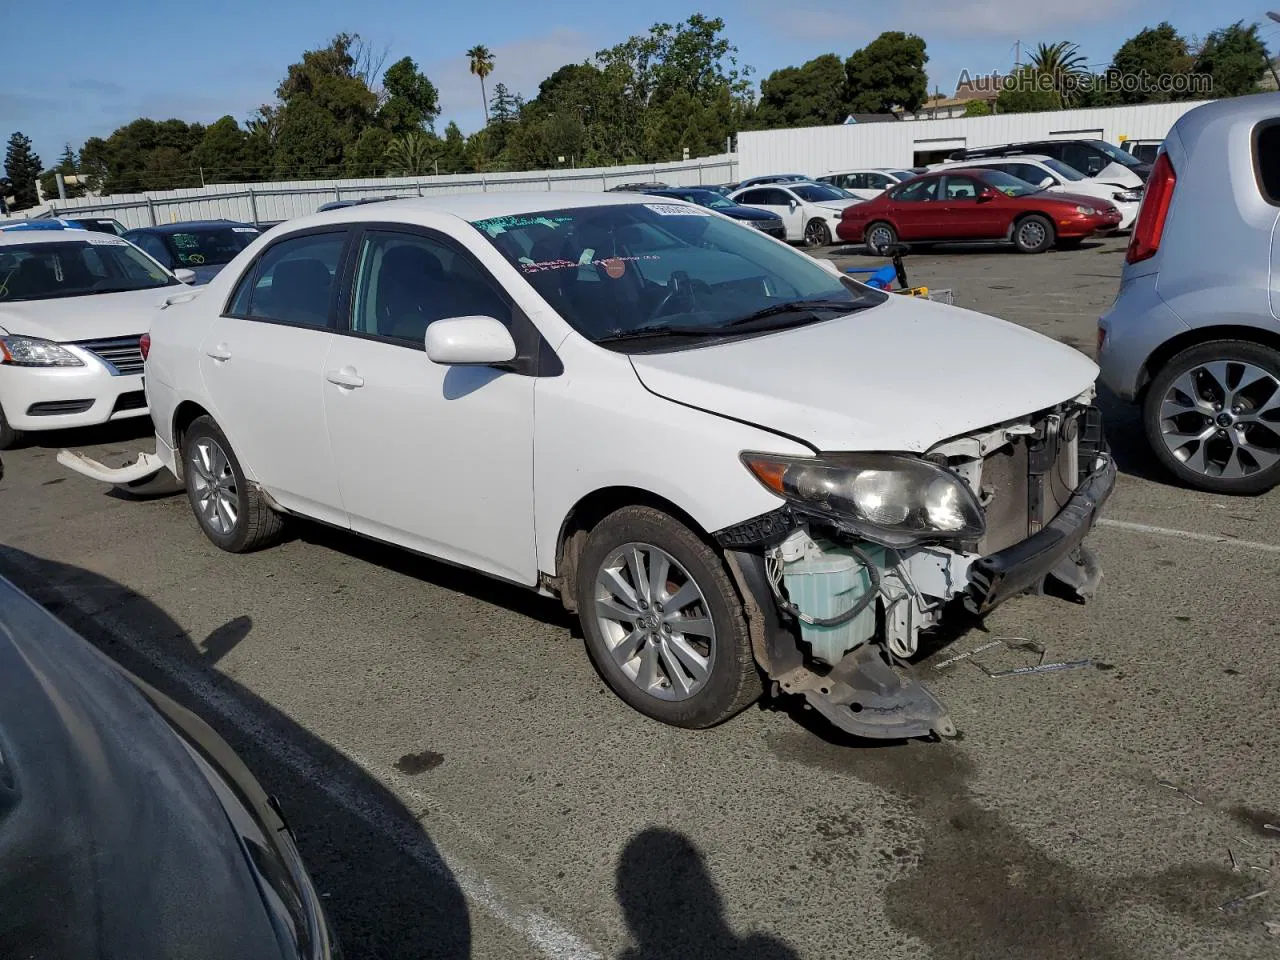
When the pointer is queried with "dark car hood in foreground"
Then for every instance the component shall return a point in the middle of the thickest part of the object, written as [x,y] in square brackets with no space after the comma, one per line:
[127,827]
[746,213]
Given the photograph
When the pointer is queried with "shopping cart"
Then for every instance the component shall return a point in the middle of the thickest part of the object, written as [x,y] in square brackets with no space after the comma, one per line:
[882,278]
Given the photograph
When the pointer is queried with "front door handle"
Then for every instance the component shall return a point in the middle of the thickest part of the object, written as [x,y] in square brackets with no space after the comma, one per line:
[346,377]
[220,353]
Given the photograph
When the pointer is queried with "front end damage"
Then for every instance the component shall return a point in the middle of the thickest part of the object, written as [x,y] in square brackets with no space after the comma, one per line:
[835,615]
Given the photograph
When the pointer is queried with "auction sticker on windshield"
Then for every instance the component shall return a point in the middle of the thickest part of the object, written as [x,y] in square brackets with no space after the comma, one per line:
[676,210]
[104,239]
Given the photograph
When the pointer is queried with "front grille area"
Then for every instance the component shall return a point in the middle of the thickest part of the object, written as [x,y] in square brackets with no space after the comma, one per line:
[54,408]
[133,400]
[122,354]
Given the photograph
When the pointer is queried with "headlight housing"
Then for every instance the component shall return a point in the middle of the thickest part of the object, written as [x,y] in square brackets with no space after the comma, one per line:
[20,351]
[890,499]
[1129,196]
[1087,211]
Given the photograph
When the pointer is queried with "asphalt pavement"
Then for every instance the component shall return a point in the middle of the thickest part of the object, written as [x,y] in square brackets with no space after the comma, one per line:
[463,784]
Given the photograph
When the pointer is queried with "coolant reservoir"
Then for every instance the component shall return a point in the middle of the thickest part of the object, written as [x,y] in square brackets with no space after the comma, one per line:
[824,582]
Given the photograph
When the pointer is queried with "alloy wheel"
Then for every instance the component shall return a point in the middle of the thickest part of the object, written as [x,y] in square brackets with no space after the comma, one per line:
[1032,234]
[815,234]
[880,238]
[655,621]
[1222,419]
[216,494]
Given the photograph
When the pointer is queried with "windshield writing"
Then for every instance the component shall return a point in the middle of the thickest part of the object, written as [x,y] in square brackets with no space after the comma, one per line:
[203,247]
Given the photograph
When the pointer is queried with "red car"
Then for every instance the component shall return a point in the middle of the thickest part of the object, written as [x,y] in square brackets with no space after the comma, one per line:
[975,203]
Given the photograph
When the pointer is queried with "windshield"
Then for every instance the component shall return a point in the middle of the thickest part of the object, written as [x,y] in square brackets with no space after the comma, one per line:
[706,198]
[1062,170]
[622,269]
[1115,153]
[902,174]
[1007,184]
[100,264]
[208,246]
[818,192]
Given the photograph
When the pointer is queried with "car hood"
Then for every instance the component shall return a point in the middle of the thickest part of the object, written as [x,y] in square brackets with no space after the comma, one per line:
[746,213]
[1084,199]
[85,318]
[835,205]
[904,376]
[113,842]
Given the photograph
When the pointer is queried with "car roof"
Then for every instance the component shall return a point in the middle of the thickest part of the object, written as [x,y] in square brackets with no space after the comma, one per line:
[9,238]
[190,225]
[473,206]
[1257,106]
[987,161]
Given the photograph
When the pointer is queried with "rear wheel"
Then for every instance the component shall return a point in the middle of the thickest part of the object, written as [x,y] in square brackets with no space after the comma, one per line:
[9,437]
[1033,234]
[880,237]
[662,621]
[230,511]
[1212,416]
[817,233]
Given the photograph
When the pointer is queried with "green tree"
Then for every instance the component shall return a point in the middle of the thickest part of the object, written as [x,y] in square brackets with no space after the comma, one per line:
[504,106]
[453,152]
[367,157]
[1154,52]
[887,73]
[813,94]
[222,154]
[412,103]
[1064,64]
[1234,58]
[67,166]
[481,62]
[1029,91]
[411,154]
[977,108]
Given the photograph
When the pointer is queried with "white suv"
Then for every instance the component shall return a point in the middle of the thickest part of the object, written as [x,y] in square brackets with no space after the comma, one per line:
[73,306]
[730,460]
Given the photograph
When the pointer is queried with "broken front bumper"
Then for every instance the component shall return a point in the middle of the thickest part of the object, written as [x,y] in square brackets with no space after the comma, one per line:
[1055,551]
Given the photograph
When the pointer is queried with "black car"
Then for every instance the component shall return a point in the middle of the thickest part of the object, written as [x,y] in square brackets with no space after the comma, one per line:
[128,828]
[1089,157]
[201,246]
[100,225]
[762,220]
[638,187]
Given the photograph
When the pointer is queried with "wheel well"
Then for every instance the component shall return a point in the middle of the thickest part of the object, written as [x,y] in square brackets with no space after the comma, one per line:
[1193,338]
[588,512]
[187,413]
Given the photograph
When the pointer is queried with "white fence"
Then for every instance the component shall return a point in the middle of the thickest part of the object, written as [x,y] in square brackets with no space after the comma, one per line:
[818,150]
[274,202]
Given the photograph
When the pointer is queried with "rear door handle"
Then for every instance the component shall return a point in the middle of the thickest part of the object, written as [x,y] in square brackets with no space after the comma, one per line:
[220,353]
[346,377]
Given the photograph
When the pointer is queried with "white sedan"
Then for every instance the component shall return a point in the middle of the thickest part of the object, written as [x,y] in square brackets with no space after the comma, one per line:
[73,305]
[866,183]
[711,447]
[1056,177]
[810,211]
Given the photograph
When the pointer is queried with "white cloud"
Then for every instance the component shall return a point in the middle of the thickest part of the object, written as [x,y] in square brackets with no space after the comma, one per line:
[521,65]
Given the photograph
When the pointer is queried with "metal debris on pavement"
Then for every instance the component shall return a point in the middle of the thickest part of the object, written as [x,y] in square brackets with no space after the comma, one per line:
[1177,789]
[952,661]
[1272,827]
[1273,927]
[1241,901]
[1235,867]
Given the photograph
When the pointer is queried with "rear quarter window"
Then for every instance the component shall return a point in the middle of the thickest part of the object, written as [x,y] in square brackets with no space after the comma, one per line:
[1266,159]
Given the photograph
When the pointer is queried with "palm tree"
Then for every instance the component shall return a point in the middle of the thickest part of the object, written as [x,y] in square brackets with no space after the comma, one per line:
[482,66]
[410,154]
[1062,61]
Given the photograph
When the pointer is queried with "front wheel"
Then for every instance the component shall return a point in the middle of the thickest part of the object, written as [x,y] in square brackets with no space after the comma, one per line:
[1033,234]
[817,233]
[662,621]
[880,237]
[229,510]
[1212,417]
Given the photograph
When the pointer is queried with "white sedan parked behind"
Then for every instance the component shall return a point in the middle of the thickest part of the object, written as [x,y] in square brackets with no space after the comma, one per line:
[734,463]
[866,183]
[810,211]
[73,305]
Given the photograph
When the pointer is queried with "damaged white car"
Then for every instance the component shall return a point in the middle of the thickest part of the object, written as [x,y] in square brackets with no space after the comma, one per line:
[735,464]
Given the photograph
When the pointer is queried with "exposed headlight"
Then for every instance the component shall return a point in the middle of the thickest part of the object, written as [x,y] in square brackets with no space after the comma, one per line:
[1129,196]
[1087,211]
[890,499]
[34,352]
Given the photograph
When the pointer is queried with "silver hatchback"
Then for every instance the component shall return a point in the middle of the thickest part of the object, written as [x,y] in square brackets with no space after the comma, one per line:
[1194,333]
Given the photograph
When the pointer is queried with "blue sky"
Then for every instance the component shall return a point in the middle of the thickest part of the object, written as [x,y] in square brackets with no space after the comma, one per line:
[104,65]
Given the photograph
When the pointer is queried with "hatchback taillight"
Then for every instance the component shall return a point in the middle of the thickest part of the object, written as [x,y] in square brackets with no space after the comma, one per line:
[144,344]
[1154,210]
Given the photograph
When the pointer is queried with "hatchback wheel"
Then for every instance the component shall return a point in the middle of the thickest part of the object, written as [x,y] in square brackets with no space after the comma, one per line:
[880,237]
[662,621]
[229,510]
[1212,416]
[817,233]
[1033,234]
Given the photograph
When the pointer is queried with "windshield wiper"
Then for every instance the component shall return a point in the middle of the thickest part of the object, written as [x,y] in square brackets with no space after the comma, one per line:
[797,306]
[662,330]
[735,326]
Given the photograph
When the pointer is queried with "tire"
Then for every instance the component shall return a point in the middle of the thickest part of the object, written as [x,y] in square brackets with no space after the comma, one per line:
[1239,419]
[669,690]
[879,236]
[817,233]
[9,437]
[1033,234]
[207,459]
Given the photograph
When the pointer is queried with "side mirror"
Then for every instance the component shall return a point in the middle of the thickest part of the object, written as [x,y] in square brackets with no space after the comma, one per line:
[987,195]
[1047,182]
[469,341]
[793,204]
[185,275]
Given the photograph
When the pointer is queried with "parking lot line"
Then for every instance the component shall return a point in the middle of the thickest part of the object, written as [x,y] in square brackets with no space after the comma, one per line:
[1217,538]
[548,937]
